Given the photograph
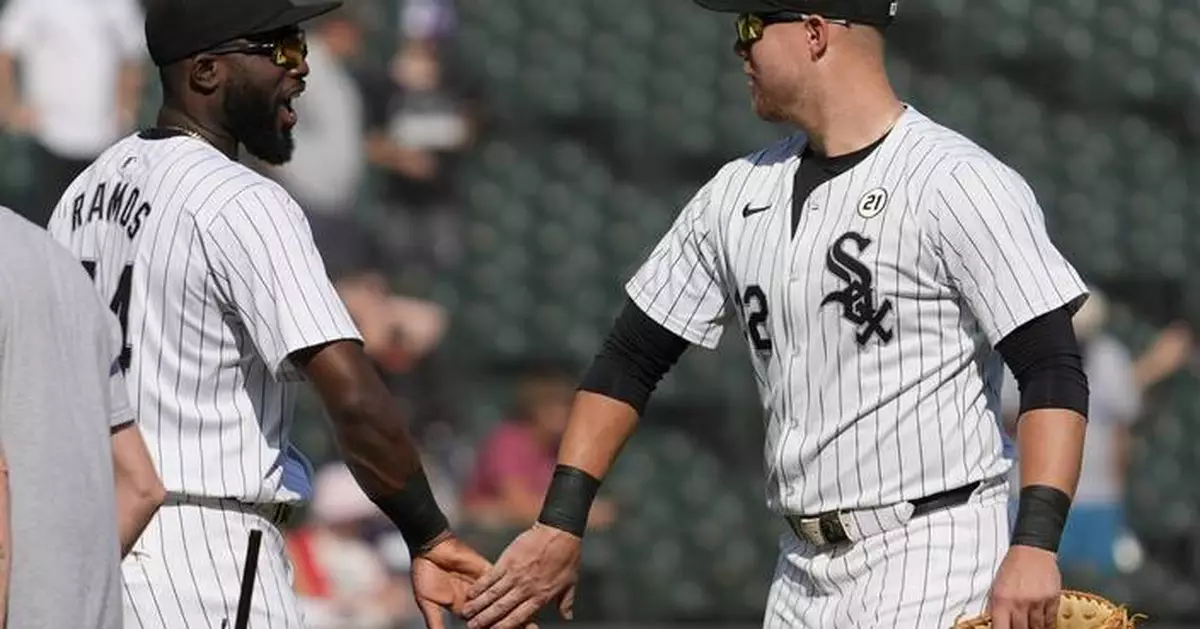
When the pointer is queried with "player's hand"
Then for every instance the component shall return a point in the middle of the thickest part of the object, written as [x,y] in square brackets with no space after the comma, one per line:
[1026,590]
[542,564]
[441,578]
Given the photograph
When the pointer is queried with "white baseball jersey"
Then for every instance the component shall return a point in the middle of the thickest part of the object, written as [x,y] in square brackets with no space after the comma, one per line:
[212,270]
[871,328]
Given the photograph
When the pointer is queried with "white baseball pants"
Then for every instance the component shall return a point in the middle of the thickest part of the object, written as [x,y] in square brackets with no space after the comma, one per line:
[186,571]
[925,574]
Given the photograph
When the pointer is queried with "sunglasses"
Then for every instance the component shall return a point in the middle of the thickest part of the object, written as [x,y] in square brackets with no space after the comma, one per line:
[286,51]
[750,26]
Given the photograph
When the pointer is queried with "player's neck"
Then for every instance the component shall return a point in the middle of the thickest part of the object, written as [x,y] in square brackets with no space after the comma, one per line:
[173,117]
[851,116]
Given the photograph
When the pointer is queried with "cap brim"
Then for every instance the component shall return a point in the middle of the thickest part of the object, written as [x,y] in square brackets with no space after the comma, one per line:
[741,6]
[297,15]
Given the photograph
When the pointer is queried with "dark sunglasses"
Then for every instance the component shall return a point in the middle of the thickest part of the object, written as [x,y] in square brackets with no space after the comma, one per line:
[750,25]
[286,51]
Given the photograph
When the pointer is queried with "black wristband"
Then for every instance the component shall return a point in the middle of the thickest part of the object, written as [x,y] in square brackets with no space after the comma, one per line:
[415,512]
[1041,515]
[569,500]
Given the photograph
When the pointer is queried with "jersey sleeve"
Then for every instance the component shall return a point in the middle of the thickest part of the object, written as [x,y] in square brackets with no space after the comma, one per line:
[270,274]
[991,236]
[679,285]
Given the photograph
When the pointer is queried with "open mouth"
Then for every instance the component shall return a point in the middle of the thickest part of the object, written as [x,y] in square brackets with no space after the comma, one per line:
[287,114]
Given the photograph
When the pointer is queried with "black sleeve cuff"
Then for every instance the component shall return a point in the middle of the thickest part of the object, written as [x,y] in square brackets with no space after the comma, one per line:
[1046,362]
[638,352]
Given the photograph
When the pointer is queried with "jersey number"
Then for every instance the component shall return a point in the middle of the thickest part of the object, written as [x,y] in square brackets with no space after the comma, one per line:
[119,306]
[755,301]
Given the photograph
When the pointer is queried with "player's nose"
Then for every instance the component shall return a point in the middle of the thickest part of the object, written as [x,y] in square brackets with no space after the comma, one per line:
[300,70]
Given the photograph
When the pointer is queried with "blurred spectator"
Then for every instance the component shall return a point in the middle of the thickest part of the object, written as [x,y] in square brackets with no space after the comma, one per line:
[342,579]
[327,174]
[419,127]
[516,463]
[1118,384]
[427,19]
[71,74]
[327,169]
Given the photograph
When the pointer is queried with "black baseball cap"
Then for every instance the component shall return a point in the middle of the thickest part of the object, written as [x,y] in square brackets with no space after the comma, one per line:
[879,13]
[178,29]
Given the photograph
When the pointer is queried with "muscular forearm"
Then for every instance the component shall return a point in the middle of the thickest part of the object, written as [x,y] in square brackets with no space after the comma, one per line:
[1051,443]
[374,444]
[598,430]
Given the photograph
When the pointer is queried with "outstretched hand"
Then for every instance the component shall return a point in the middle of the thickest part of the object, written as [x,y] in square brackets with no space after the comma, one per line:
[541,565]
[442,577]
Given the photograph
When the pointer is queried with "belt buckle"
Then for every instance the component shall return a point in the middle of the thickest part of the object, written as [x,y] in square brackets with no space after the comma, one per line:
[811,530]
[823,530]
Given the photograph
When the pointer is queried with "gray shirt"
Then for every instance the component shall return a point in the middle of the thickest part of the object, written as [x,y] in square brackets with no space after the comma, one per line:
[60,393]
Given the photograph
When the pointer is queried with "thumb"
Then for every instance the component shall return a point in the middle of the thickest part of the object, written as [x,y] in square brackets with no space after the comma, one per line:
[432,613]
[566,606]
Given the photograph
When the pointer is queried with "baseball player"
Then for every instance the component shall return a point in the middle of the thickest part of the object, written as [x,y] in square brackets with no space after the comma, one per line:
[226,309]
[880,267]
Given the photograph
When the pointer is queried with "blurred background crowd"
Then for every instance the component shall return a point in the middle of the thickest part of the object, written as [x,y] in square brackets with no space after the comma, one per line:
[482,175]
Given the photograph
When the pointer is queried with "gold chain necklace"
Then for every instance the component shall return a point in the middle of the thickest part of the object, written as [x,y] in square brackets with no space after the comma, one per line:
[188,132]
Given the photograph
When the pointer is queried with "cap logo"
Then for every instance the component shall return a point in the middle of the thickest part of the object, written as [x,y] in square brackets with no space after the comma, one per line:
[894,9]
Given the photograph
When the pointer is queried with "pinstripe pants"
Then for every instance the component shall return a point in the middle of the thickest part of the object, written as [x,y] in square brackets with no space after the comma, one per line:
[186,571]
[924,575]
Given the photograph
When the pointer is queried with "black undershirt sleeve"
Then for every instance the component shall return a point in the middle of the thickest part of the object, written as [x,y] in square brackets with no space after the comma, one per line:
[1046,362]
[635,356]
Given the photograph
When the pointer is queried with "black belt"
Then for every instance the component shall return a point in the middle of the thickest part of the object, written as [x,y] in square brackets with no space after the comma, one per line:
[277,513]
[833,531]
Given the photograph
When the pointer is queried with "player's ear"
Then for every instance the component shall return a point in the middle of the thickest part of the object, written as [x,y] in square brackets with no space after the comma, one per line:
[816,34]
[206,73]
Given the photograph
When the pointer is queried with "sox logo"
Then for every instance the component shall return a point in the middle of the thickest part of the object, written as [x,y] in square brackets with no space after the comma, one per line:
[857,299]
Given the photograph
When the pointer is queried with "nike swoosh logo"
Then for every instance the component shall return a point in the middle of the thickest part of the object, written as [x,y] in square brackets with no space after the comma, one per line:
[748,211]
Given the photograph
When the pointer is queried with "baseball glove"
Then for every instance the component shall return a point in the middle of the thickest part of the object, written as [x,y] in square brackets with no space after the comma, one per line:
[1076,610]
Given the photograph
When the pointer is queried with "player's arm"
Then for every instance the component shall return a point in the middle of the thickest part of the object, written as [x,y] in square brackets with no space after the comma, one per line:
[139,489]
[675,299]
[990,235]
[370,432]
[1045,359]
[635,356]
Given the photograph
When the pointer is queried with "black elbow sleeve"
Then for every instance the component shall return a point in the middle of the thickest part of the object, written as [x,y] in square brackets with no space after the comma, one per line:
[1046,362]
[633,359]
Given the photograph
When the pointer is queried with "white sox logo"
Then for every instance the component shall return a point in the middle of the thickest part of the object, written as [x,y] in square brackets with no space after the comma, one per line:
[857,300]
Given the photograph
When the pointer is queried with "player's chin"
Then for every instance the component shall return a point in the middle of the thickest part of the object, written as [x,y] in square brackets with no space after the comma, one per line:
[276,150]
[767,112]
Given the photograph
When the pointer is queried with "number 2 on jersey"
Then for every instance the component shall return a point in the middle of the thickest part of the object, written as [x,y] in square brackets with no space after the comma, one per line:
[755,301]
[120,306]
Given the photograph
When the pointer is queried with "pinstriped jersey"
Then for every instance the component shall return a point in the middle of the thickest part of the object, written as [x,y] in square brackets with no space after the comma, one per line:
[212,271]
[872,326]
